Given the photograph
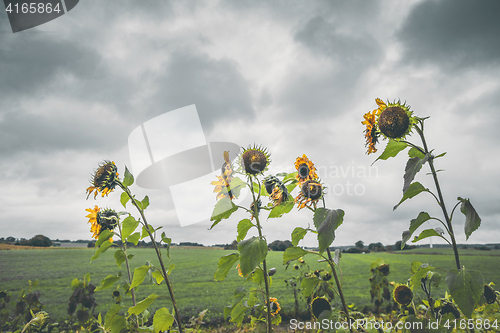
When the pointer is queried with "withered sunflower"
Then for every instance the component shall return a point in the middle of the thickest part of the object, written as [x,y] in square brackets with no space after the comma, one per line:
[305,169]
[278,193]
[318,305]
[222,184]
[254,160]
[310,193]
[489,294]
[100,220]
[371,131]
[395,120]
[275,306]
[104,179]
[402,294]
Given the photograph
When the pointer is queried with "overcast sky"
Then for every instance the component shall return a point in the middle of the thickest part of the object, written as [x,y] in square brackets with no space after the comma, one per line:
[293,76]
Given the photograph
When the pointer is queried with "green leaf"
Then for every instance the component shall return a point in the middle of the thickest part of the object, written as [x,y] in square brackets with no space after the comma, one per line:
[104,246]
[414,224]
[170,268]
[243,227]
[297,235]
[167,241]
[236,185]
[440,155]
[75,283]
[414,152]
[225,264]
[145,202]
[466,288]
[222,210]
[107,282]
[472,219]
[258,276]
[128,179]
[119,257]
[413,166]
[138,203]
[103,236]
[162,320]
[142,305]
[139,275]
[253,251]
[326,222]
[293,253]
[128,226]
[429,233]
[134,238]
[283,208]
[416,278]
[158,277]
[113,310]
[238,313]
[414,189]
[308,285]
[117,324]
[124,198]
[392,149]
[255,188]
[145,233]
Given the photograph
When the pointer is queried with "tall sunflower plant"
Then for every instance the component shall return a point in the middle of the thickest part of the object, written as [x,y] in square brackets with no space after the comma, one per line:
[396,122]
[326,221]
[105,224]
[254,299]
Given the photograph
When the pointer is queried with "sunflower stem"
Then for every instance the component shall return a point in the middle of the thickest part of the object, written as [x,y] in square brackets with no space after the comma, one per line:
[339,287]
[440,195]
[264,264]
[124,249]
[158,254]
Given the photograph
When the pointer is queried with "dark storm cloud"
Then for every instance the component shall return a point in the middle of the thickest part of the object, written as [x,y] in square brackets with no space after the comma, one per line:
[217,87]
[452,33]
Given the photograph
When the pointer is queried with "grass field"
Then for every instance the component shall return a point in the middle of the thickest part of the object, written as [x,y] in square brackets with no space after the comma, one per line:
[194,286]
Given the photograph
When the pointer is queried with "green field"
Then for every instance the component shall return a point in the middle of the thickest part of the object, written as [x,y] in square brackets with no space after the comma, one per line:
[194,286]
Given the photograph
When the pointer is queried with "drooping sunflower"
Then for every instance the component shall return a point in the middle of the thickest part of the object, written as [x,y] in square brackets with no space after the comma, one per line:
[310,193]
[489,294]
[277,191]
[222,184]
[101,219]
[254,160]
[104,179]
[305,169]
[275,306]
[402,294]
[318,305]
[371,131]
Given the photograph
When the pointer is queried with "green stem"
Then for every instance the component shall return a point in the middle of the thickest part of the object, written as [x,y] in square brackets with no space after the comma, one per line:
[158,254]
[441,199]
[264,264]
[124,244]
[339,287]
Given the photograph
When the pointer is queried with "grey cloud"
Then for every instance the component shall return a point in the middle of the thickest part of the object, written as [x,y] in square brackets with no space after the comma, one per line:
[452,33]
[217,87]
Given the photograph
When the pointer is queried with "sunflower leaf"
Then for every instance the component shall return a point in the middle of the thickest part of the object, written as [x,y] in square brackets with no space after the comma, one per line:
[107,282]
[145,202]
[128,179]
[142,305]
[326,222]
[429,233]
[167,241]
[236,186]
[162,320]
[139,275]
[414,152]
[421,272]
[472,219]
[222,210]
[243,227]
[413,190]
[124,198]
[293,253]
[253,251]
[413,166]
[392,149]
[466,288]
[308,285]
[281,209]
[103,236]
[224,265]
[297,235]
[128,226]
[414,224]
[103,248]
[119,257]
[134,238]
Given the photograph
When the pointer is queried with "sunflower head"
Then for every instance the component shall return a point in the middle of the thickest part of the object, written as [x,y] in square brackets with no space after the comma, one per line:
[305,169]
[395,120]
[384,269]
[101,219]
[318,305]
[254,160]
[104,179]
[275,306]
[310,193]
[371,131]
[278,193]
[402,294]
[489,294]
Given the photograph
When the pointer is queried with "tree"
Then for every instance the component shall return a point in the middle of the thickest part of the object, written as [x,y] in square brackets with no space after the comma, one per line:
[359,244]
[38,240]
[377,247]
[278,245]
